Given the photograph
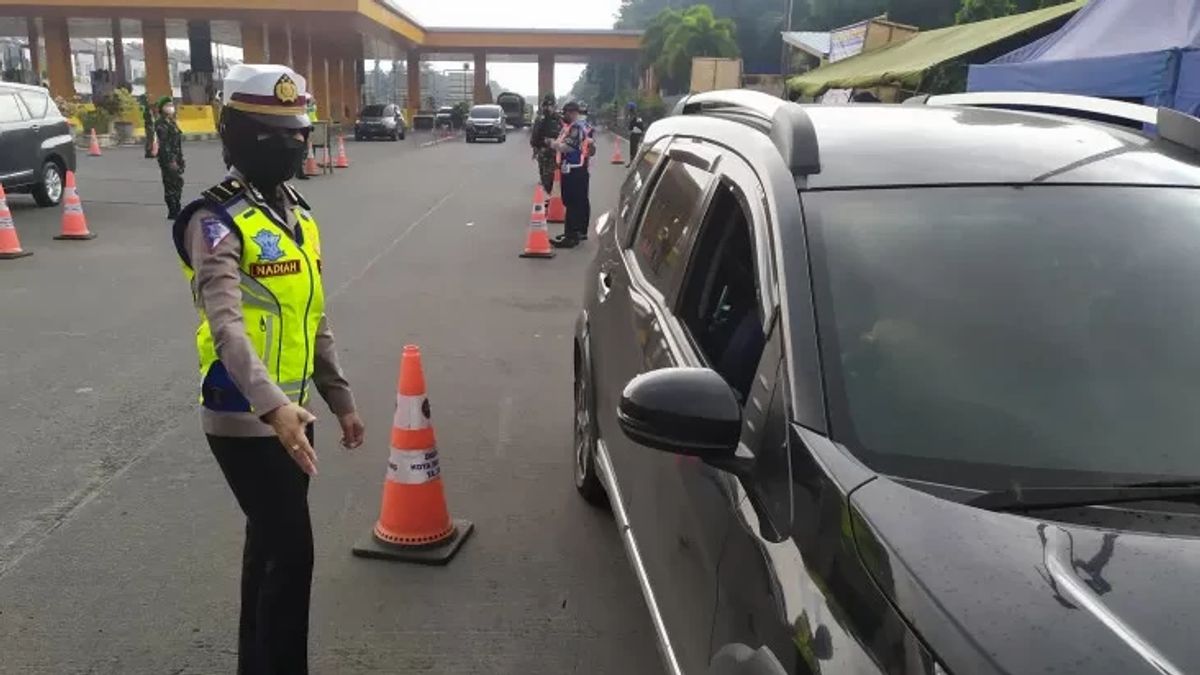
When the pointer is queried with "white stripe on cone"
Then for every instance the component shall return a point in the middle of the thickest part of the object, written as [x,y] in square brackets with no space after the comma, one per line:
[413,467]
[410,413]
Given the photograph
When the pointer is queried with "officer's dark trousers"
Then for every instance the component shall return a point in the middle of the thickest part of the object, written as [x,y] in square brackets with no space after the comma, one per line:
[578,204]
[277,560]
[634,141]
[172,189]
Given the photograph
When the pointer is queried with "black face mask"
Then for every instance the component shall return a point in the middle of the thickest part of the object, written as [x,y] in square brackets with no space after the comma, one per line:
[269,162]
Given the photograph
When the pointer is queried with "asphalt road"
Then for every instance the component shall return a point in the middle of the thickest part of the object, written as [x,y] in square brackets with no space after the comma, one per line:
[120,544]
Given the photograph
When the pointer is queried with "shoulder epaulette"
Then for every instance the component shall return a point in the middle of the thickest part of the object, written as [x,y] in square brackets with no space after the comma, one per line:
[295,196]
[226,191]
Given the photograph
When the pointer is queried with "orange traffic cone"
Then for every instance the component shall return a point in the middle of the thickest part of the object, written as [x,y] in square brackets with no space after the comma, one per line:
[616,156]
[342,161]
[154,145]
[537,239]
[310,164]
[94,148]
[74,224]
[414,524]
[10,246]
[557,211]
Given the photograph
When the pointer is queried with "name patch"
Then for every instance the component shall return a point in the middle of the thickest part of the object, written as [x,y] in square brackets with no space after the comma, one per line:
[275,269]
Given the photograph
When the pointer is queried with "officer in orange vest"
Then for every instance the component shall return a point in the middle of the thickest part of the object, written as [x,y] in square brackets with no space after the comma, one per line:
[576,148]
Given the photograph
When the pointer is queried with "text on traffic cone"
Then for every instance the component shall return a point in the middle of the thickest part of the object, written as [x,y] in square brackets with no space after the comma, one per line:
[10,245]
[414,523]
[74,224]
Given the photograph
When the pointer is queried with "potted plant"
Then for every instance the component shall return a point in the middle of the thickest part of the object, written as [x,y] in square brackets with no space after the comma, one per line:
[97,119]
[122,109]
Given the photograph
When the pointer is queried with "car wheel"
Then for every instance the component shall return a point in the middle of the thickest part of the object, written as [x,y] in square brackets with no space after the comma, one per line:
[587,482]
[395,136]
[49,188]
[402,135]
[470,139]
[504,139]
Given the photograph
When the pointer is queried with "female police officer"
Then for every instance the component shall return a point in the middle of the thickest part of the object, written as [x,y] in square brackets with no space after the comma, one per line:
[251,250]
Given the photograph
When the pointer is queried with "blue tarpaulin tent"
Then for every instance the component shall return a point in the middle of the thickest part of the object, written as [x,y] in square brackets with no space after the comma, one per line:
[1144,50]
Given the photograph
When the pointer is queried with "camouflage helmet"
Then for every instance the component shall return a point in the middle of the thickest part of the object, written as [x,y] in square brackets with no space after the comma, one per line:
[548,99]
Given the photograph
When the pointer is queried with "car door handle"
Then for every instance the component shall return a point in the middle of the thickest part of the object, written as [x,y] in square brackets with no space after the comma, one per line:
[604,287]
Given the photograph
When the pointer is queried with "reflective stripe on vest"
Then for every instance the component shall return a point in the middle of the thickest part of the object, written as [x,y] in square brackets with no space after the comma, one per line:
[282,305]
[573,159]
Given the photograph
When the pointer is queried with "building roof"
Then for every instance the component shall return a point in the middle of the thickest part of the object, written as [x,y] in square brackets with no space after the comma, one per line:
[811,42]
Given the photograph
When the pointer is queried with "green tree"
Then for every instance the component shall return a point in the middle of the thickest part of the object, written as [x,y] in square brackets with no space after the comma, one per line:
[979,10]
[697,33]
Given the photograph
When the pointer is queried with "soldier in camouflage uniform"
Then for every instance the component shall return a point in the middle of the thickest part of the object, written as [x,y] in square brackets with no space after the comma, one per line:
[546,129]
[147,124]
[170,155]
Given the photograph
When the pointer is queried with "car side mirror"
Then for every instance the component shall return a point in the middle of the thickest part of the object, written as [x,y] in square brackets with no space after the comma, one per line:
[686,411]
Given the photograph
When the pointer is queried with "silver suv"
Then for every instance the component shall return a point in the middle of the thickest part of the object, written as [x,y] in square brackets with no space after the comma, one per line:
[380,121]
[36,149]
[486,121]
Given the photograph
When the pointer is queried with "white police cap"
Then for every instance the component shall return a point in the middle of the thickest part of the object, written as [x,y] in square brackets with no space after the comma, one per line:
[275,95]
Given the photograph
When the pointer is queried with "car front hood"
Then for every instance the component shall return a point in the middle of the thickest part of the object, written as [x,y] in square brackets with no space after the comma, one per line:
[1002,593]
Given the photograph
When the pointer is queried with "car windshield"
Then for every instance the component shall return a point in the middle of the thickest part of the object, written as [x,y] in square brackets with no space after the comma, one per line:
[372,111]
[1003,336]
[485,113]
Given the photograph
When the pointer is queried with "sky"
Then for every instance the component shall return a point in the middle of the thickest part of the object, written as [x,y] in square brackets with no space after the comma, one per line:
[518,77]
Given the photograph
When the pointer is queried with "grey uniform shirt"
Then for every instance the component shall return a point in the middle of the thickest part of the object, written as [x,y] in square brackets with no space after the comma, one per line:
[216,287]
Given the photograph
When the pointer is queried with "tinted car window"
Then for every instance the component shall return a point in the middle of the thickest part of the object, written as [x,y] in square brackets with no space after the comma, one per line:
[636,180]
[484,113]
[10,110]
[373,111]
[999,335]
[669,216]
[35,103]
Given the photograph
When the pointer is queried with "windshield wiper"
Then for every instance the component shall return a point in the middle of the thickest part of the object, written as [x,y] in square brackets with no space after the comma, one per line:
[1044,498]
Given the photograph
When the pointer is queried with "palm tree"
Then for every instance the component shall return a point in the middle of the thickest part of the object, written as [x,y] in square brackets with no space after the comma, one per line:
[696,32]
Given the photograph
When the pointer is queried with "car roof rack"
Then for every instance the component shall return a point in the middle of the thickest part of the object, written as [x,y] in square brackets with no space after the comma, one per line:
[1172,125]
[787,124]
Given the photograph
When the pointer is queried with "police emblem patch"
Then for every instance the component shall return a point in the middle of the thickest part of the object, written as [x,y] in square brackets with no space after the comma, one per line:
[268,241]
[214,231]
[286,90]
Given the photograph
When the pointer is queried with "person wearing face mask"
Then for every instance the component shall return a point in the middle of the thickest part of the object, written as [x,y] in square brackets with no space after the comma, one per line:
[170,155]
[251,251]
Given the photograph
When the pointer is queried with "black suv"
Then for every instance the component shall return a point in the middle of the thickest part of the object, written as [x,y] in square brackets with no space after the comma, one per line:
[36,149]
[903,388]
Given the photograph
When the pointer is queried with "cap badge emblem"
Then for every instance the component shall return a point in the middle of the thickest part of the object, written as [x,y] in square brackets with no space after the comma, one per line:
[285,90]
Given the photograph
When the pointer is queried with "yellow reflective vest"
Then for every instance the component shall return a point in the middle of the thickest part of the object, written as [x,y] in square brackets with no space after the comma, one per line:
[282,295]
